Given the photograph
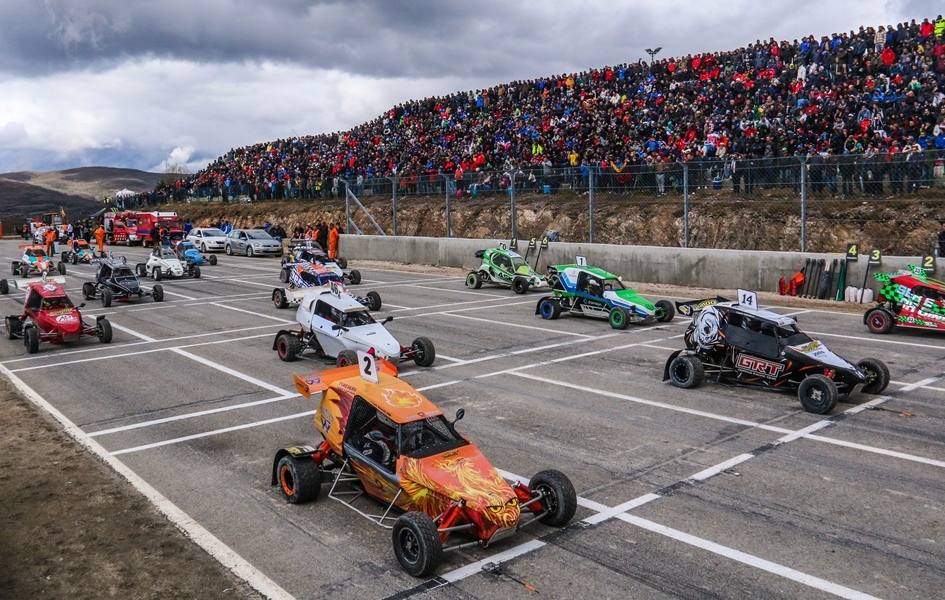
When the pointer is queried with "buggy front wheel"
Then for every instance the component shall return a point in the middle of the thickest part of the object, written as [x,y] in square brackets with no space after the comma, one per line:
[818,394]
[549,309]
[877,375]
[473,281]
[417,543]
[619,317]
[686,371]
[665,311]
[559,499]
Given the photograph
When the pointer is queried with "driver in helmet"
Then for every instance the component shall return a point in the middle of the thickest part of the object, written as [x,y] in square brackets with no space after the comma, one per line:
[594,288]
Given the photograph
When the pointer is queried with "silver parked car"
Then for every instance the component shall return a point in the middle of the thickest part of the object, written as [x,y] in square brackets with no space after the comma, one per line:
[252,242]
[208,239]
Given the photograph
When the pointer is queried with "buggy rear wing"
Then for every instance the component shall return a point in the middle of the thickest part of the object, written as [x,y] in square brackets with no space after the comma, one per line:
[319,381]
[693,306]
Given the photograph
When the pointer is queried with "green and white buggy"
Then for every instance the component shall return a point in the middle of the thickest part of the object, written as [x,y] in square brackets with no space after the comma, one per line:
[593,292]
[505,267]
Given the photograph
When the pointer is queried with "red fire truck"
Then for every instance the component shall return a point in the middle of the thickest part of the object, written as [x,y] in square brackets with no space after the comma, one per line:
[131,228]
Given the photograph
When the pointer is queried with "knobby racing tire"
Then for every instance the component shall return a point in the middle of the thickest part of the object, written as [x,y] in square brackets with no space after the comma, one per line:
[300,479]
[425,353]
[31,340]
[880,320]
[417,544]
[619,317]
[106,297]
[346,358]
[354,277]
[13,326]
[473,281]
[373,301]
[665,311]
[279,298]
[686,371]
[519,285]
[284,275]
[560,500]
[103,329]
[157,292]
[818,394]
[288,347]
[549,309]
[877,374]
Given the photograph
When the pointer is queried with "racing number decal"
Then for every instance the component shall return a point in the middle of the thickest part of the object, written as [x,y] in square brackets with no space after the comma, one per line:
[581,261]
[853,252]
[747,298]
[368,366]
[876,257]
[928,263]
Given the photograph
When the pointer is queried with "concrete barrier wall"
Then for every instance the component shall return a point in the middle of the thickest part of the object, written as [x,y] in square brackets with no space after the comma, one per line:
[693,267]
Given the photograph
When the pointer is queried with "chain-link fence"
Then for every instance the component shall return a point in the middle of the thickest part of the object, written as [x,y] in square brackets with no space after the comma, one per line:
[815,203]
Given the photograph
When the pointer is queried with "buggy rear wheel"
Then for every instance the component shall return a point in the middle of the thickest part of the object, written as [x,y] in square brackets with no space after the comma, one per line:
[157,274]
[346,358]
[284,275]
[665,311]
[619,317]
[425,353]
[549,309]
[373,300]
[157,292]
[519,285]
[417,543]
[559,501]
[300,479]
[877,375]
[288,347]
[686,371]
[879,320]
[13,326]
[103,329]
[818,394]
[31,339]
[106,297]
[473,281]
[341,262]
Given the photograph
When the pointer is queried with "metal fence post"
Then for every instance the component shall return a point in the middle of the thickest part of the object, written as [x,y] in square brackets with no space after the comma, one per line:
[803,205]
[512,201]
[394,201]
[590,204]
[685,186]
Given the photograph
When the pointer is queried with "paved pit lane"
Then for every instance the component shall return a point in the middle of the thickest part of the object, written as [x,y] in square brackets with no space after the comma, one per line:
[714,492]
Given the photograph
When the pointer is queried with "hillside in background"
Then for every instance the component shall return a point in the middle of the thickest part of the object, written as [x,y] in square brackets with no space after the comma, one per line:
[79,191]
[91,182]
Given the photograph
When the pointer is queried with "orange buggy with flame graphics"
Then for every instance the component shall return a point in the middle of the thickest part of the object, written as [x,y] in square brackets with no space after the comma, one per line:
[385,440]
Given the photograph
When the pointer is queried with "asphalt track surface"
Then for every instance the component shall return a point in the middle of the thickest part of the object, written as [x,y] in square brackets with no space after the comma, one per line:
[716,492]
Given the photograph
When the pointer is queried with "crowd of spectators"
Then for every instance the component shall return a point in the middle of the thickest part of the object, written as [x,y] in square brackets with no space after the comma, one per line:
[858,106]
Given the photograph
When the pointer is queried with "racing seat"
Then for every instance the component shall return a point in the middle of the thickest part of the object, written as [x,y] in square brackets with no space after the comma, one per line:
[374,448]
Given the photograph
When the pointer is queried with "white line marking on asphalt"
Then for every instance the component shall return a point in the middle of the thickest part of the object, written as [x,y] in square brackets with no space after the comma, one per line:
[134,333]
[254,313]
[201,413]
[197,436]
[748,559]
[875,340]
[180,295]
[476,567]
[542,329]
[193,530]
[924,387]
[233,372]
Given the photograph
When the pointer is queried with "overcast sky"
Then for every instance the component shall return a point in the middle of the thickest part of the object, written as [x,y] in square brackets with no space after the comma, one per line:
[144,83]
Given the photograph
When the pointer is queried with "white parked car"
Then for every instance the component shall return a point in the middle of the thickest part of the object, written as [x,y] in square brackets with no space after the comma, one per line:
[163,262]
[252,242]
[207,239]
[335,325]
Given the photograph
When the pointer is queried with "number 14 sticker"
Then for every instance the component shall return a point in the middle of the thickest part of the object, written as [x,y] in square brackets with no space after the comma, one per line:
[747,298]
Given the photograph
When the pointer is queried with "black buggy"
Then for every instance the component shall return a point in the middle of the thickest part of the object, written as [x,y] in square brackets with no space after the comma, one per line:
[115,280]
[731,343]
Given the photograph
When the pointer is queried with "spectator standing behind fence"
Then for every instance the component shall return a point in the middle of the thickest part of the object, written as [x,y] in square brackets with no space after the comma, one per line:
[941,240]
